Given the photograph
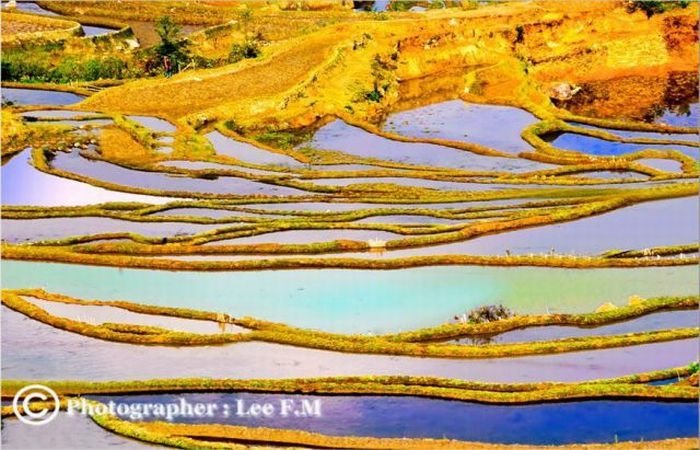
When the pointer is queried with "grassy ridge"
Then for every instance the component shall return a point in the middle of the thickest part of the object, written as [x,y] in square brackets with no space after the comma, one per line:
[287,335]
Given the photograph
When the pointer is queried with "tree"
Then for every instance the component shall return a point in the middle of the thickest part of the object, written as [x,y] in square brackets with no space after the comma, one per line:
[651,7]
[172,44]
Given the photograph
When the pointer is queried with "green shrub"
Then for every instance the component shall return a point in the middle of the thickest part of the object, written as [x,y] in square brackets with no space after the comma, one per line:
[694,367]
[402,5]
[283,139]
[36,66]
[651,7]
[24,66]
[250,48]
[373,96]
[233,126]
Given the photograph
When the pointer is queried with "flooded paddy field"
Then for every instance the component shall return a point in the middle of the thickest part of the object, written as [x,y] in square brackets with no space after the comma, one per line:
[427,418]
[658,321]
[39,97]
[342,137]
[631,134]
[487,226]
[459,121]
[101,314]
[72,431]
[355,301]
[668,222]
[307,236]
[34,8]
[670,99]
[600,147]
[71,356]
[23,184]
[74,163]
[247,152]
[60,228]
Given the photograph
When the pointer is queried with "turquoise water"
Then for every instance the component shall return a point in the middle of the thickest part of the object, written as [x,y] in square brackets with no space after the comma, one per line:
[358,300]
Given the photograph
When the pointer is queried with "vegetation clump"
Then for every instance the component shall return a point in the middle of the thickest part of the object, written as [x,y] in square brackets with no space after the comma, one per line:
[651,7]
[486,314]
[250,48]
[37,66]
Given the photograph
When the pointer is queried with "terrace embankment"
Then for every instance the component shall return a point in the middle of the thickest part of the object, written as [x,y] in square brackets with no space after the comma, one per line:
[502,49]
[408,344]
[21,29]
[184,435]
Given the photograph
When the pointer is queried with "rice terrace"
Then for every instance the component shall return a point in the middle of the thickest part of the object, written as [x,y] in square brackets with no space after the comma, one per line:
[336,224]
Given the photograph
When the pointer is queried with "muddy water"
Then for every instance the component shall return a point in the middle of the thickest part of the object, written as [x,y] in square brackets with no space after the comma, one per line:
[32,7]
[430,184]
[608,175]
[63,356]
[466,185]
[91,30]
